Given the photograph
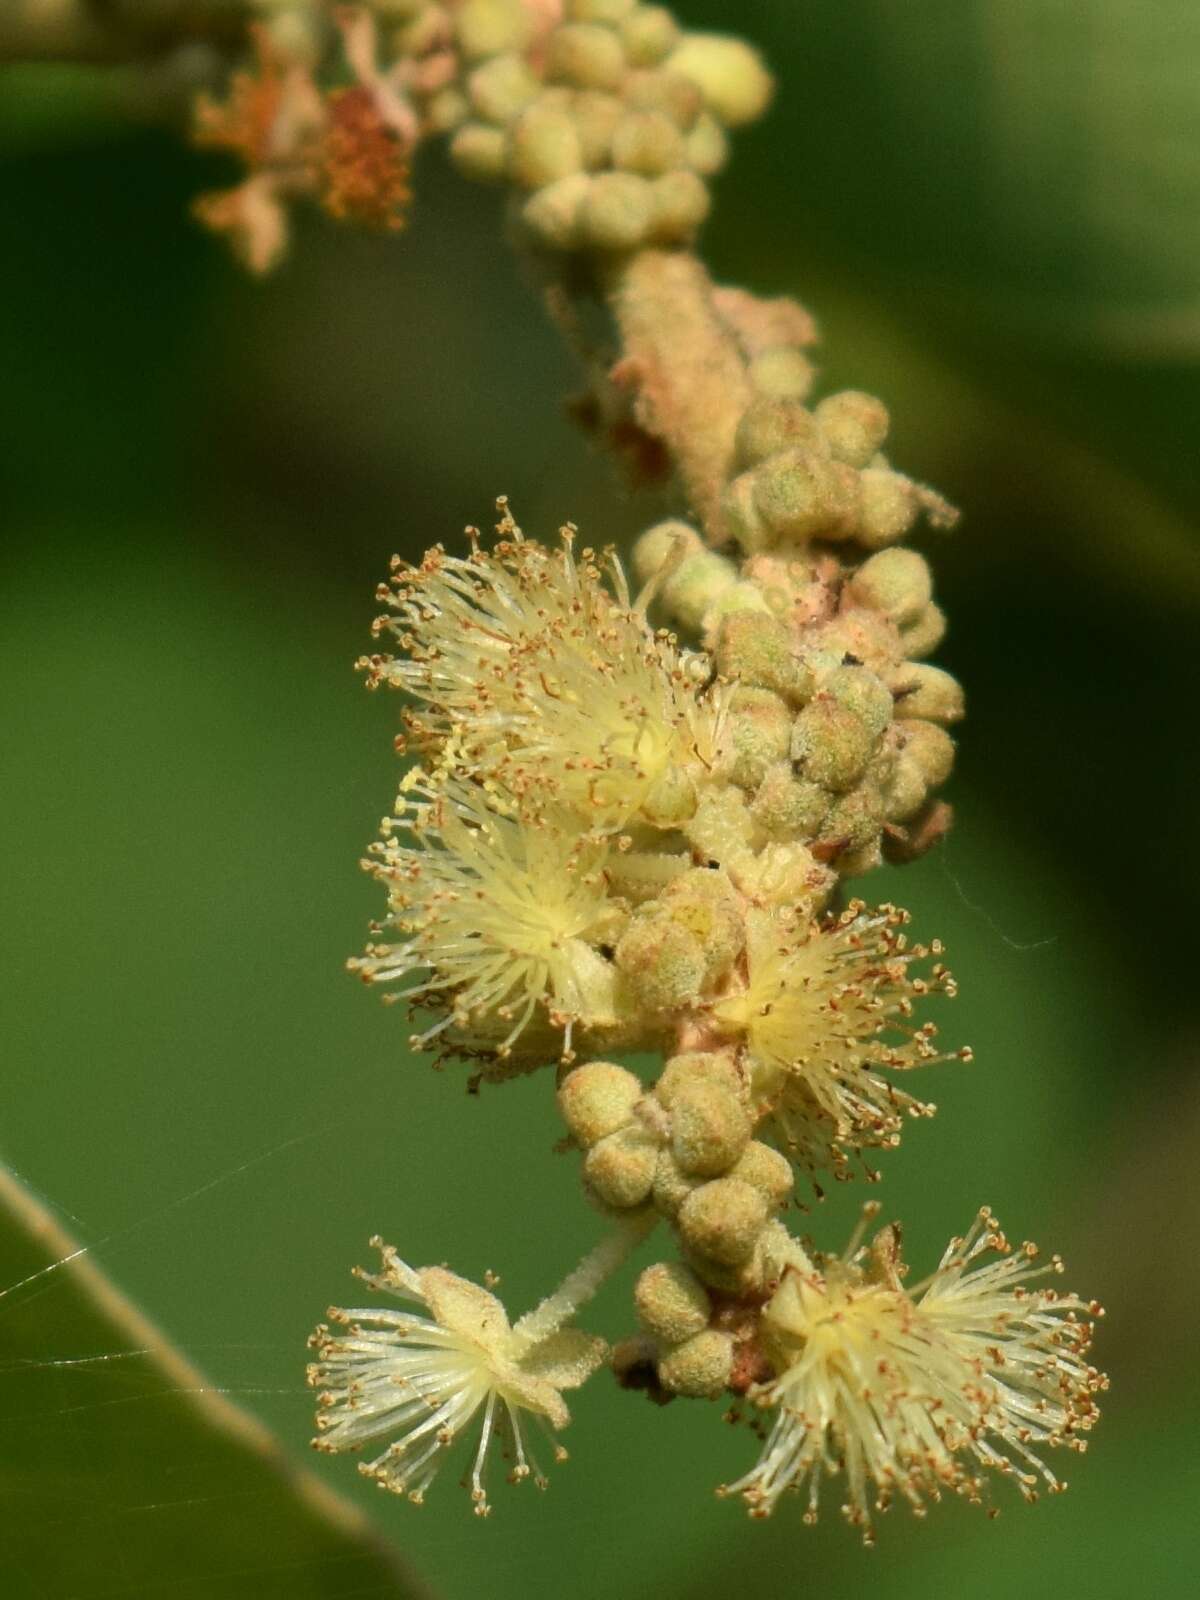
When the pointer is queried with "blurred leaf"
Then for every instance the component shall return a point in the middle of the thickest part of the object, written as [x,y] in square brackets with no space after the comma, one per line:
[124,1472]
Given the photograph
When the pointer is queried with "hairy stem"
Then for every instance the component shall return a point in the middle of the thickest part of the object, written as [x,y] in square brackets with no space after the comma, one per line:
[578,1287]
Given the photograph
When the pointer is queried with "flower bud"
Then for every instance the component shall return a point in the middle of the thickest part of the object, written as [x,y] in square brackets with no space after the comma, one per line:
[597,1099]
[707,146]
[663,963]
[930,747]
[798,495]
[698,1066]
[925,691]
[617,212]
[671,1302]
[501,88]
[851,827]
[647,142]
[700,1367]
[659,544]
[722,828]
[896,582]
[785,874]
[903,790]
[599,10]
[698,583]
[729,74]
[479,152]
[643,875]
[782,373]
[661,90]
[703,902]
[596,115]
[830,745]
[790,807]
[723,1219]
[889,507]
[619,1169]
[487,27]
[681,202]
[767,1171]
[671,1185]
[585,54]
[742,518]
[671,800]
[649,34]
[864,694]
[922,637]
[761,650]
[552,212]
[447,110]
[760,734]
[543,144]
[855,425]
[709,1129]
[771,425]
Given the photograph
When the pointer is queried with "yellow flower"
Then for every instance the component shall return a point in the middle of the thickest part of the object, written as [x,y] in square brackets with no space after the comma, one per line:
[534,668]
[427,1375]
[825,1007]
[911,1392]
[500,914]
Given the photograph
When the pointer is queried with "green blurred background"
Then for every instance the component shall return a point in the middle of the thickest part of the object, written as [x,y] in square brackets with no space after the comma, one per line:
[994,209]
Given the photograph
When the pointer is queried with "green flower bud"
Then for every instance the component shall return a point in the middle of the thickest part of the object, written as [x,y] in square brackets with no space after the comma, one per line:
[896,582]
[922,637]
[487,27]
[618,211]
[479,152]
[700,1367]
[707,146]
[930,747]
[597,1099]
[697,583]
[709,1128]
[596,115]
[599,10]
[855,425]
[785,874]
[501,88]
[619,1169]
[889,507]
[742,518]
[760,733]
[647,142]
[741,598]
[681,202]
[552,213]
[703,902]
[663,963]
[699,1066]
[862,693]
[649,34]
[767,1171]
[830,745]
[543,144]
[671,1302]
[790,807]
[925,691]
[761,651]
[769,426]
[729,73]
[447,110]
[903,791]
[722,829]
[671,800]
[659,544]
[585,54]
[799,494]
[851,828]
[723,1219]
[671,1185]
[782,373]
[669,92]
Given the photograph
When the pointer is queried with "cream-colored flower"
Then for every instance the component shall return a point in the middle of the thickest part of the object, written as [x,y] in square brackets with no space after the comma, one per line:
[539,672]
[500,915]
[826,1008]
[429,1374]
[912,1391]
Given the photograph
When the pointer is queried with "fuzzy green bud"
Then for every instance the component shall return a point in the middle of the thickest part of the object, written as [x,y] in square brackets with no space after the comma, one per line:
[782,373]
[903,789]
[660,544]
[661,90]
[663,962]
[709,1129]
[896,582]
[761,650]
[487,27]
[707,146]
[585,54]
[889,507]
[830,744]
[647,142]
[597,1099]
[501,88]
[671,1185]
[863,694]
[619,1169]
[852,826]
[922,636]
[743,519]
[681,202]
[790,807]
[722,828]
[671,1302]
[771,425]
[697,584]
[671,800]
[543,144]
[698,1066]
[785,873]
[618,211]
[760,733]
[552,212]
[649,34]
[723,1219]
[729,73]
[799,494]
[479,152]
[930,747]
[596,114]
[599,10]
[767,1171]
[703,902]
[925,691]
[854,424]
[700,1367]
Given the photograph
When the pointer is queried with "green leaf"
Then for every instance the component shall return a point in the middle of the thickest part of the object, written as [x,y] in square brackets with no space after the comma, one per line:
[123,1472]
